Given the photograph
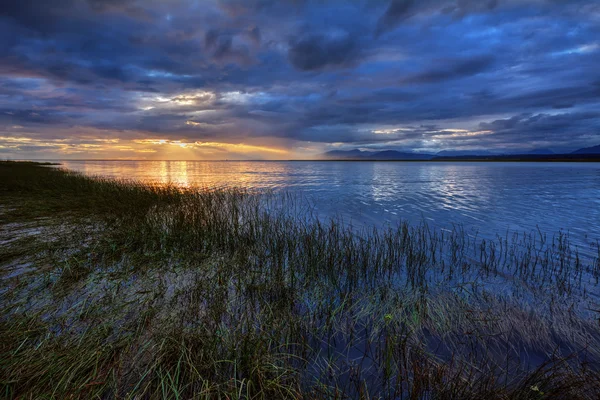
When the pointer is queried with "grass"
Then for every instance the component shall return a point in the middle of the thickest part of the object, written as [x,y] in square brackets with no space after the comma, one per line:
[114,289]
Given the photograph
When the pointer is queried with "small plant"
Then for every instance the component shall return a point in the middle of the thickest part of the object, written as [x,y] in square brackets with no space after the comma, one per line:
[113,289]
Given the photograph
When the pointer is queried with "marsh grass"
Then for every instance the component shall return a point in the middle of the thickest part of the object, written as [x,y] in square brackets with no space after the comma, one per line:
[114,289]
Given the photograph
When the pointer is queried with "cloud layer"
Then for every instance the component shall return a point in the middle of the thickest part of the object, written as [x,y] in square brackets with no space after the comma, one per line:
[294,78]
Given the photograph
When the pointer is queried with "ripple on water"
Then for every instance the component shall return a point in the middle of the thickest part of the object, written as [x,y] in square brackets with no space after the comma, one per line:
[489,198]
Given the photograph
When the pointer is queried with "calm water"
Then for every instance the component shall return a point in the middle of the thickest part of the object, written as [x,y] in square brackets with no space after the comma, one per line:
[488,198]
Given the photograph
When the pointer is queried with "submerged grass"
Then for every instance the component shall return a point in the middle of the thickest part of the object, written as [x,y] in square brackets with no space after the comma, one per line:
[114,289]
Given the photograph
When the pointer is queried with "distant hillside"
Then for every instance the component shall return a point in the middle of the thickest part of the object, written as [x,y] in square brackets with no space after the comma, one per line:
[538,152]
[588,150]
[375,155]
[397,155]
[461,153]
[587,154]
[345,154]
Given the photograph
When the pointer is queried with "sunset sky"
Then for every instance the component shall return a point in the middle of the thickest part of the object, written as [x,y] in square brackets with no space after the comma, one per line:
[275,79]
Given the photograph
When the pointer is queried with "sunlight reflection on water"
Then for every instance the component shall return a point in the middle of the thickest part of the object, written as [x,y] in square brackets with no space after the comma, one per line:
[488,198]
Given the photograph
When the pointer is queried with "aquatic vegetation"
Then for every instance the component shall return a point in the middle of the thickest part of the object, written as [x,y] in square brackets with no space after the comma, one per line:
[114,289]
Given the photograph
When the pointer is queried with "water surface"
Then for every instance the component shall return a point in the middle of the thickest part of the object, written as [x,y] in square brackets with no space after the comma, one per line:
[485,198]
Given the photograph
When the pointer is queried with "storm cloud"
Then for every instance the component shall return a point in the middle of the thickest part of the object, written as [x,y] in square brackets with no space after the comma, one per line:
[299,74]
[315,51]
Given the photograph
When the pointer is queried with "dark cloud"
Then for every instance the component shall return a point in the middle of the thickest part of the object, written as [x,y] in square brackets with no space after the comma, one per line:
[452,69]
[29,117]
[566,130]
[36,15]
[317,51]
[211,37]
[221,47]
[254,34]
[557,98]
[240,7]
[397,11]
[461,8]
[105,5]
[316,71]
[540,123]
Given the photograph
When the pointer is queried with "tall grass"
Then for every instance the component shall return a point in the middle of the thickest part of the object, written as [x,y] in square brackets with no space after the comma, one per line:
[114,289]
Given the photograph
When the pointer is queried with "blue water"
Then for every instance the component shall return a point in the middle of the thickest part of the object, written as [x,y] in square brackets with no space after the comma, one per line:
[484,198]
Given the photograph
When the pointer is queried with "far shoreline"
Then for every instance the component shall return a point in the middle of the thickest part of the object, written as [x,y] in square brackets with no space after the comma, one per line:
[558,158]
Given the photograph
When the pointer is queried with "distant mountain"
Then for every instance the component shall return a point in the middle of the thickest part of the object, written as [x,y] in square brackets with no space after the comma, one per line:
[588,150]
[346,154]
[539,151]
[385,155]
[587,154]
[397,155]
[460,153]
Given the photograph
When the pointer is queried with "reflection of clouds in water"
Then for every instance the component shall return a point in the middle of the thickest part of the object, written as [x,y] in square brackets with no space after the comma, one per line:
[409,188]
[488,197]
[461,188]
[383,187]
[261,175]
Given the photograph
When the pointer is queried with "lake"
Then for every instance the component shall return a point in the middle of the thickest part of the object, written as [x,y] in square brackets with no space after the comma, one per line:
[484,198]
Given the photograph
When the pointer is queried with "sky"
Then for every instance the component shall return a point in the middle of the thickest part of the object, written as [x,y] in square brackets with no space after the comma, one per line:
[291,79]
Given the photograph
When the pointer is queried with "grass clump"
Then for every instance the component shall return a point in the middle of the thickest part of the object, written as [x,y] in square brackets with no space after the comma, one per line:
[114,289]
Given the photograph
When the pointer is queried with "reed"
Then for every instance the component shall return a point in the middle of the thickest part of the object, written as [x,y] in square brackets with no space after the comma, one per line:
[114,289]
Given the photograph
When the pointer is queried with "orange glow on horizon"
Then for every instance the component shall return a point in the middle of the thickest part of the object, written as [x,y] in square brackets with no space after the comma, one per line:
[233,147]
[109,148]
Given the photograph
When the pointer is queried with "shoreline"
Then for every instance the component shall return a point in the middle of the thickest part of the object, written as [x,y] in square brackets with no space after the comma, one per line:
[559,158]
[116,290]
